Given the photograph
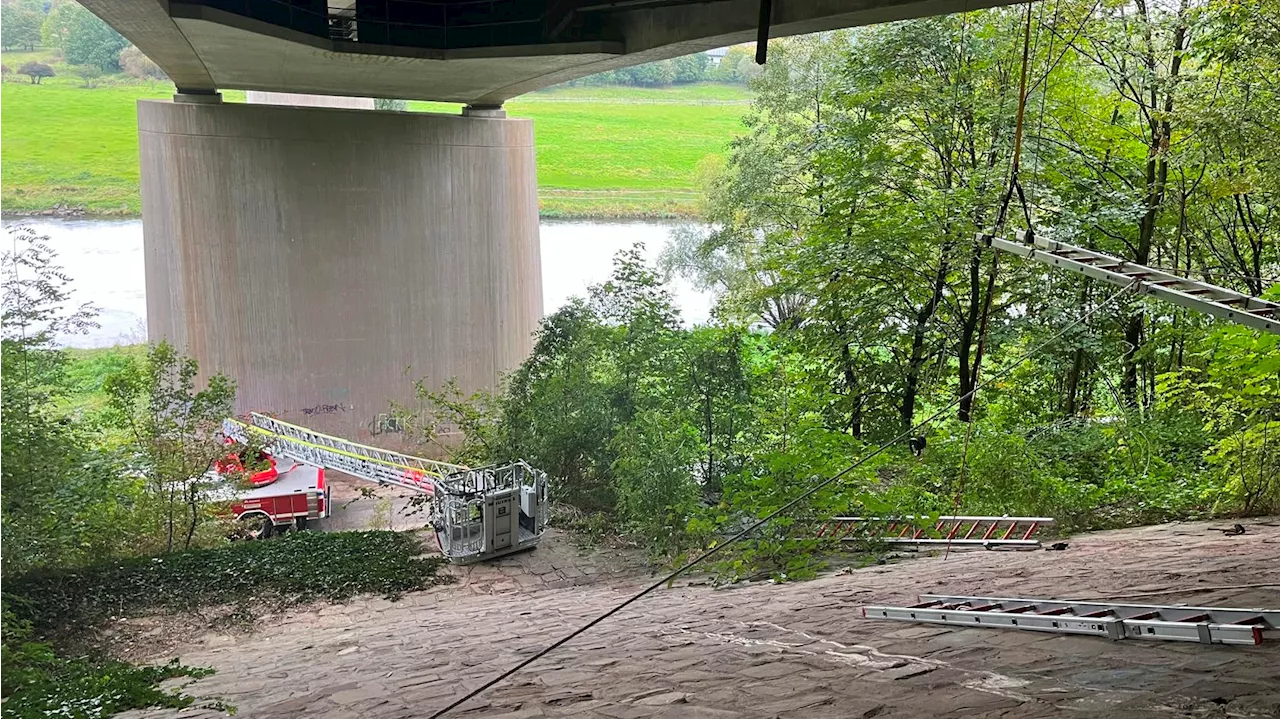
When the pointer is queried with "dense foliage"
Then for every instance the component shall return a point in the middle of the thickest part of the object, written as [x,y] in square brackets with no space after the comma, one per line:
[81,37]
[37,683]
[299,567]
[855,300]
[20,25]
[737,66]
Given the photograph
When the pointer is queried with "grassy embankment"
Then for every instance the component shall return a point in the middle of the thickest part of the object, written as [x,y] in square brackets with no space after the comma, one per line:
[602,151]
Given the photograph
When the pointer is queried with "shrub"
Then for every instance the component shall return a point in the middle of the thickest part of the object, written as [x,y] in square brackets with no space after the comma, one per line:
[89,74]
[36,682]
[136,64]
[300,567]
[37,71]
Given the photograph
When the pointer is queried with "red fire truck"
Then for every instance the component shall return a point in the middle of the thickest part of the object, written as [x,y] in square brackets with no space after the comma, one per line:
[279,498]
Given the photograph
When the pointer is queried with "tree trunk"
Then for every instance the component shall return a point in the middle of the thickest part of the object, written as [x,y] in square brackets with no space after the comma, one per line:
[974,329]
[919,330]
[1072,404]
[854,389]
[194,504]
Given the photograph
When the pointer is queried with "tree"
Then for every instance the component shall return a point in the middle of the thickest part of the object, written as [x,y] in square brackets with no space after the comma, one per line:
[692,68]
[385,104]
[652,74]
[89,74]
[82,37]
[58,492]
[27,30]
[57,25]
[174,435]
[37,71]
[136,64]
[737,66]
[19,27]
[8,17]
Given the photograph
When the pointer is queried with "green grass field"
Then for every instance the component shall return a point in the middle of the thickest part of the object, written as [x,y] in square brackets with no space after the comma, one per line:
[602,151]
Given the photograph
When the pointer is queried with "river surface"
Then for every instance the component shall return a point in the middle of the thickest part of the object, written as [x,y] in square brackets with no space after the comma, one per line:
[104,260]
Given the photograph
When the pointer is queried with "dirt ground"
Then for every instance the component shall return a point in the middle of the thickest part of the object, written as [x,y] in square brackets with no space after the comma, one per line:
[761,650]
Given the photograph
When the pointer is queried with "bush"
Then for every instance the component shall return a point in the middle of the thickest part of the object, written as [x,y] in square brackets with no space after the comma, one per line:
[38,683]
[300,567]
[89,74]
[136,64]
[37,71]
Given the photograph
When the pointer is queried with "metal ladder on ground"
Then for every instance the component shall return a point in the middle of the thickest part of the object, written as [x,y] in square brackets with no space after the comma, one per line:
[477,513]
[1200,296]
[954,530]
[1207,625]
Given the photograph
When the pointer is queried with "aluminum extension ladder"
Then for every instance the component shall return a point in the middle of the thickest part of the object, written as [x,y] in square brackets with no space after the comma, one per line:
[1200,296]
[478,513]
[956,531]
[1207,625]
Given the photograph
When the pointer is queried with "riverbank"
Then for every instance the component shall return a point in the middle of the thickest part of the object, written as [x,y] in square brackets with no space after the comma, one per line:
[603,152]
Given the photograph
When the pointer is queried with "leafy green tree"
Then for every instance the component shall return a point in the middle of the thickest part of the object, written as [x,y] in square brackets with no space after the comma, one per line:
[37,71]
[82,37]
[26,30]
[8,17]
[20,27]
[691,68]
[737,66]
[57,25]
[59,500]
[174,436]
[653,74]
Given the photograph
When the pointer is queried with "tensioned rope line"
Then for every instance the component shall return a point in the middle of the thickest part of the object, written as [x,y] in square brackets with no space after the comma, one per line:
[1014,164]
[781,510]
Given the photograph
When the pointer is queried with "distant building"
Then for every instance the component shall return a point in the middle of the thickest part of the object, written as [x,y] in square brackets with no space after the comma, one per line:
[717,55]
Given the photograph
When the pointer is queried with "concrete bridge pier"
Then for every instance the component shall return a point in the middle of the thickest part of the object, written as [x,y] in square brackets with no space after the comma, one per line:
[326,258]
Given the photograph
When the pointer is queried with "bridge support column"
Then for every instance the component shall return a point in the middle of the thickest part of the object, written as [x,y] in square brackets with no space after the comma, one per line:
[326,258]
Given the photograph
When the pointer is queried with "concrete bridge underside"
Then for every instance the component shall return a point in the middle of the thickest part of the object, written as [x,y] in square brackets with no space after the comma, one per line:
[481,52]
[325,257]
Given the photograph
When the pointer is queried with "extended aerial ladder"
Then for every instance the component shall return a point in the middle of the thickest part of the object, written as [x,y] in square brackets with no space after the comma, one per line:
[1200,296]
[478,513]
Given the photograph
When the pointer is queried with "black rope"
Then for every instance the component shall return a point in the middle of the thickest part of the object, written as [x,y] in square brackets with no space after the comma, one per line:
[780,511]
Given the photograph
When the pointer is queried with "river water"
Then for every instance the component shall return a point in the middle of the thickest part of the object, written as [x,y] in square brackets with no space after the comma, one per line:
[104,260]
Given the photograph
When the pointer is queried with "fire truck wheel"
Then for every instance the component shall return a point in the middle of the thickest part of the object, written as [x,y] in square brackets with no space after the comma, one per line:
[257,526]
